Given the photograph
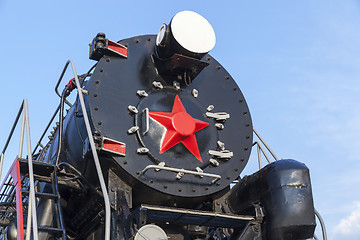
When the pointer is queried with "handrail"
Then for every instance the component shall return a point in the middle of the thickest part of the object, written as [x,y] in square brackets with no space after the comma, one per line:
[32,209]
[322,223]
[46,129]
[93,149]
[267,146]
[25,125]
[59,81]
[58,108]
[181,171]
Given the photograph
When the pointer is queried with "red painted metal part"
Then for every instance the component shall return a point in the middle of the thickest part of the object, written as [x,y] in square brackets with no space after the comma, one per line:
[181,128]
[118,48]
[114,146]
[15,174]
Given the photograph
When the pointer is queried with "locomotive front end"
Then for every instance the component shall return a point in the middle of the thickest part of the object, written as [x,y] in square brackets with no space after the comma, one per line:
[183,121]
[153,147]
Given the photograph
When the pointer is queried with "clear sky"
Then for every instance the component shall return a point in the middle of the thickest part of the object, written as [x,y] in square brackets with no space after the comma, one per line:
[296,62]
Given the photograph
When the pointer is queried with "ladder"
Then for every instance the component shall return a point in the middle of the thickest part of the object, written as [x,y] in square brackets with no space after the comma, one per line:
[9,189]
[14,197]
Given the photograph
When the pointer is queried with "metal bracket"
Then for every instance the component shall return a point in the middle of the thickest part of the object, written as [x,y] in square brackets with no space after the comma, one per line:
[181,172]
[226,154]
[133,109]
[259,213]
[133,129]
[195,93]
[157,85]
[214,162]
[142,150]
[210,108]
[142,93]
[219,116]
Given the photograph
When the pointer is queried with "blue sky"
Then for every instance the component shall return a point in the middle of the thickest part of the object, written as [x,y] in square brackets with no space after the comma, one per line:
[296,62]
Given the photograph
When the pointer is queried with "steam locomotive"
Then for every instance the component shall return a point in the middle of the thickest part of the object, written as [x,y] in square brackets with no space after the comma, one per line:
[152,148]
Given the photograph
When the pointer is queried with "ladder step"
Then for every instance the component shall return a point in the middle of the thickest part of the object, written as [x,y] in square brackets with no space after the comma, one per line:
[40,168]
[51,230]
[41,195]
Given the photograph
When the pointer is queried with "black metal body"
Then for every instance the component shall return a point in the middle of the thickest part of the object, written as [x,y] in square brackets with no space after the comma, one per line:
[283,188]
[274,203]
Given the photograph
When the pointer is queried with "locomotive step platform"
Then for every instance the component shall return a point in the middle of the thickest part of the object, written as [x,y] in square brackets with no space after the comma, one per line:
[150,213]
[40,168]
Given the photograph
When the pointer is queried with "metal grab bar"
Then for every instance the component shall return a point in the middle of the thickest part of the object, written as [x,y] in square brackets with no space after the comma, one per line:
[260,150]
[25,125]
[146,112]
[267,146]
[93,149]
[183,171]
[46,129]
[322,223]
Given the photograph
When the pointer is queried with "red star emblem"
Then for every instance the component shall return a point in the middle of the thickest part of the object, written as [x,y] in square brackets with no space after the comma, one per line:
[180,128]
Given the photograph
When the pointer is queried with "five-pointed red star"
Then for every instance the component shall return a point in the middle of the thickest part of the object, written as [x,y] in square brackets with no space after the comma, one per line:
[180,127]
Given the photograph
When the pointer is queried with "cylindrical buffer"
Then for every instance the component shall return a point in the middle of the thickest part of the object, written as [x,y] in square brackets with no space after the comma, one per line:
[283,188]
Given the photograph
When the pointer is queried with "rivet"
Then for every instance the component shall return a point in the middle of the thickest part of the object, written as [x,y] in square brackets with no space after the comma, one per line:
[241,100]
[236,169]
[165,186]
[193,190]
[108,60]
[179,189]
[125,163]
[97,82]
[218,67]
[206,188]
[149,39]
[99,123]
[96,109]
[244,113]
[101,70]
[235,89]
[208,58]
[95,95]
[137,41]
[151,181]
[227,77]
